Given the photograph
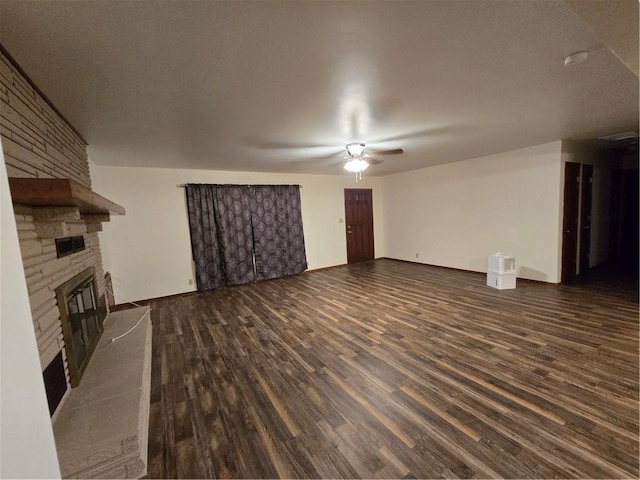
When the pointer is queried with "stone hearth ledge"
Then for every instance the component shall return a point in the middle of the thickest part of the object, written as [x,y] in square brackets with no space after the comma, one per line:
[102,428]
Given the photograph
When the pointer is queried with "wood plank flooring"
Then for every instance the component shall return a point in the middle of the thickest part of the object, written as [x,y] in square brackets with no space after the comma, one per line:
[389,370]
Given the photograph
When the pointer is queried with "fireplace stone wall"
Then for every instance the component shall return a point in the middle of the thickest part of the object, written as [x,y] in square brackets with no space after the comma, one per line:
[38,143]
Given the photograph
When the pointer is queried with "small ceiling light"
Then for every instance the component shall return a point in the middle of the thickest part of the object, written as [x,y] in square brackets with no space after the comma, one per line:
[574,58]
[356,165]
[355,149]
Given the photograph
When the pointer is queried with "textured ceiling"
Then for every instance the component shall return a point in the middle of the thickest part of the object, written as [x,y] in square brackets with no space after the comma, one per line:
[280,86]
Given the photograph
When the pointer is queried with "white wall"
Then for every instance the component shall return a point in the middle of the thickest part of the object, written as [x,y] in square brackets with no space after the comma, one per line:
[148,251]
[28,449]
[456,214]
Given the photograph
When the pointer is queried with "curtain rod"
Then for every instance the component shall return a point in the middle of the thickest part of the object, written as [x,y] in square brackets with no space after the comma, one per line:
[182,185]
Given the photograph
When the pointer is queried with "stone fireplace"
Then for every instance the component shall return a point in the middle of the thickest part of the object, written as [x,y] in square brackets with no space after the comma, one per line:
[100,420]
[46,161]
[66,286]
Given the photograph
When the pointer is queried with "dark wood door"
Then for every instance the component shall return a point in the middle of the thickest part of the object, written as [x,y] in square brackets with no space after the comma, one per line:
[570,220]
[585,217]
[358,211]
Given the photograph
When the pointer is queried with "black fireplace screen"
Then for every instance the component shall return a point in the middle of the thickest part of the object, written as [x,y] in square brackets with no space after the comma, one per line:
[82,317]
[81,308]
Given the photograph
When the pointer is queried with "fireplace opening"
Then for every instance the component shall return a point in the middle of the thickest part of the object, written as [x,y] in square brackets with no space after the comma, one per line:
[82,313]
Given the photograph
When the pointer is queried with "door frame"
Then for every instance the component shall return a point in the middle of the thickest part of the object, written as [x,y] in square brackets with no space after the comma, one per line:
[569,251]
[576,231]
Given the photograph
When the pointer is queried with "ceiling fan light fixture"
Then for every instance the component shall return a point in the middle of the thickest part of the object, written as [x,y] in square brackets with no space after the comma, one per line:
[356,165]
[355,149]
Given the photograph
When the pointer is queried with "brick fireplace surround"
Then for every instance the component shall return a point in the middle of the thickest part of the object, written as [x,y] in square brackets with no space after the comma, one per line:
[39,143]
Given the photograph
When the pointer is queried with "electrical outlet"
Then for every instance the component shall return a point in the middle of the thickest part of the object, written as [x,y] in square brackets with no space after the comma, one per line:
[191,281]
[417,255]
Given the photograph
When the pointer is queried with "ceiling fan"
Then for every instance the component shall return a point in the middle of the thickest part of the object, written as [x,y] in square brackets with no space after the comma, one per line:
[355,150]
[357,160]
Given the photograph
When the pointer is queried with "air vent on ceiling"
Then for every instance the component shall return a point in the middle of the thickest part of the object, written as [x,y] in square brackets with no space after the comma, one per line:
[621,137]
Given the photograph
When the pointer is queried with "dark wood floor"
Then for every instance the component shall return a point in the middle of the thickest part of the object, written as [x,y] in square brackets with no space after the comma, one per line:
[390,369]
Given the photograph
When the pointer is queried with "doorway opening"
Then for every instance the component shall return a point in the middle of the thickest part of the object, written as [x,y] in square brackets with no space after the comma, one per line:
[600,240]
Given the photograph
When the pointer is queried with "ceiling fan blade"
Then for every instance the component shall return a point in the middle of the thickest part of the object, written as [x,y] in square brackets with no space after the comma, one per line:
[427,132]
[277,145]
[377,153]
[331,159]
[331,155]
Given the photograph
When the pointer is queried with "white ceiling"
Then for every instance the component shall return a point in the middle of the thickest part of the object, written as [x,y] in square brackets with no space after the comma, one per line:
[275,86]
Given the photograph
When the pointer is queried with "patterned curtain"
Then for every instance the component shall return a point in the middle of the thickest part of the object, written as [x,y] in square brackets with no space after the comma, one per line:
[221,237]
[277,229]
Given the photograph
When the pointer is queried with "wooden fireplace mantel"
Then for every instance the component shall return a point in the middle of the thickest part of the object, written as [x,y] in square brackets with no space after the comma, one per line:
[60,192]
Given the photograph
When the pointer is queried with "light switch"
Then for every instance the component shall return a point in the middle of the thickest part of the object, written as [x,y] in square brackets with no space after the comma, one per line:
[341,220]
